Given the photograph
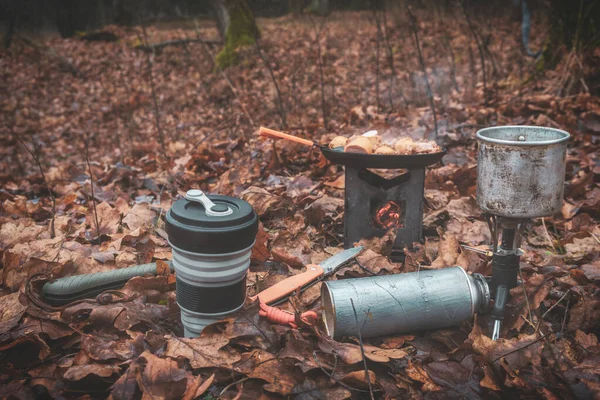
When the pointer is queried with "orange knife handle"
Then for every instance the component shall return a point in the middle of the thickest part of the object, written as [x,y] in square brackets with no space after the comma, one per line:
[280,135]
[290,285]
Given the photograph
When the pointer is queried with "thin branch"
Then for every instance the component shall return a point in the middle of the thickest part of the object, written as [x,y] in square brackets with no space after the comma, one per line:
[149,48]
[34,154]
[413,25]
[519,349]
[154,98]
[390,57]
[330,375]
[268,65]
[377,46]
[87,160]
[320,65]
[526,297]
[480,48]
[362,351]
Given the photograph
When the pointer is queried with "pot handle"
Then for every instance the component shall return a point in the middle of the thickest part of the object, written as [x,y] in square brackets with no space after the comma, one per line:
[280,135]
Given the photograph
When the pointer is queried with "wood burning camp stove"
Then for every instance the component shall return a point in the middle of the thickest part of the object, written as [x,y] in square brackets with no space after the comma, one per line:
[374,203]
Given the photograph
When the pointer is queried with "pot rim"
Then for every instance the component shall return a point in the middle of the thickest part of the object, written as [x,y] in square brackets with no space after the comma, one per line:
[482,132]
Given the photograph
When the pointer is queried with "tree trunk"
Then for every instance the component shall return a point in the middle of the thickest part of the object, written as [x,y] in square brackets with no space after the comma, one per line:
[237,27]
[10,31]
[319,7]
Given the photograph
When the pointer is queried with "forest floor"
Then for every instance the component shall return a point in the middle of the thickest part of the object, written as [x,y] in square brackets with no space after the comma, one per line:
[99,138]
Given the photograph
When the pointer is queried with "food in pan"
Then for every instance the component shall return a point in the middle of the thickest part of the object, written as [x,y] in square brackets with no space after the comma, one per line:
[359,144]
[338,141]
[370,143]
[385,149]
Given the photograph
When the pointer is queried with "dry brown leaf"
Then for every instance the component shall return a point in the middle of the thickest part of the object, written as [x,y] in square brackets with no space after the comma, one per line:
[324,208]
[358,379]
[448,251]
[417,373]
[140,215]
[197,387]
[295,251]
[11,311]
[374,262]
[592,271]
[202,352]
[351,354]
[262,201]
[78,372]
[109,219]
[260,252]
[19,231]
[275,370]
[582,249]
[126,387]
[586,340]
[160,378]
[517,352]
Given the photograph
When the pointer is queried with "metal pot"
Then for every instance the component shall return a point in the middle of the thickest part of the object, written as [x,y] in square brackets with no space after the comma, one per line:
[521,170]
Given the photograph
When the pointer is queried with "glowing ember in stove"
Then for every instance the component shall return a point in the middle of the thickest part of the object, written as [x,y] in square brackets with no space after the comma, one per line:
[389,216]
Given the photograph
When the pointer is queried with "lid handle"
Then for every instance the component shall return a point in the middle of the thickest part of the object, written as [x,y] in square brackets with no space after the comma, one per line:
[212,209]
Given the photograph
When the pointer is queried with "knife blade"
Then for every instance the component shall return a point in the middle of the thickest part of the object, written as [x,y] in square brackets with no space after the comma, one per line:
[302,281]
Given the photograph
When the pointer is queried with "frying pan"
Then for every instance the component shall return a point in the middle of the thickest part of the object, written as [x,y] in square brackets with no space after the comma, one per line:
[359,160]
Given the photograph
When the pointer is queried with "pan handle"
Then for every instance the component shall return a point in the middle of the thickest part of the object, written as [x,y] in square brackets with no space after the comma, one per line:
[280,135]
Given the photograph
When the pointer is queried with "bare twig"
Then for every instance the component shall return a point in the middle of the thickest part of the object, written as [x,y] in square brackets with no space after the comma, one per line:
[480,48]
[390,57]
[320,65]
[180,42]
[159,131]
[525,294]
[233,383]
[35,155]
[377,46]
[413,25]
[448,45]
[519,349]
[268,65]
[537,328]
[362,351]
[87,160]
[548,235]
[330,375]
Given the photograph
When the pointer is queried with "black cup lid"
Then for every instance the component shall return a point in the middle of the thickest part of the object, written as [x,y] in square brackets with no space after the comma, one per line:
[199,226]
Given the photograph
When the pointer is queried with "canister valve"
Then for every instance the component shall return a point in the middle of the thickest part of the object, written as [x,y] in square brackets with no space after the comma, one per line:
[212,209]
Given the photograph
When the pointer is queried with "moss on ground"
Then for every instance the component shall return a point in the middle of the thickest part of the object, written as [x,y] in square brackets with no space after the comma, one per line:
[242,31]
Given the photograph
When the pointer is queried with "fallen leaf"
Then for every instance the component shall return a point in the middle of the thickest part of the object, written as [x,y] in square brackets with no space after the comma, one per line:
[416,372]
[140,215]
[260,252]
[448,251]
[202,352]
[78,372]
[358,379]
[586,340]
[160,378]
[262,201]
[109,219]
[11,311]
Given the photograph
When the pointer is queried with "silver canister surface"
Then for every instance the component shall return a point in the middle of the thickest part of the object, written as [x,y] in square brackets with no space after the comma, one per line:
[387,305]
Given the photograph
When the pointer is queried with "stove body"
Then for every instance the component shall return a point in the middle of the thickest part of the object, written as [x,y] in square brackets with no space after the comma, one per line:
[374,204]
